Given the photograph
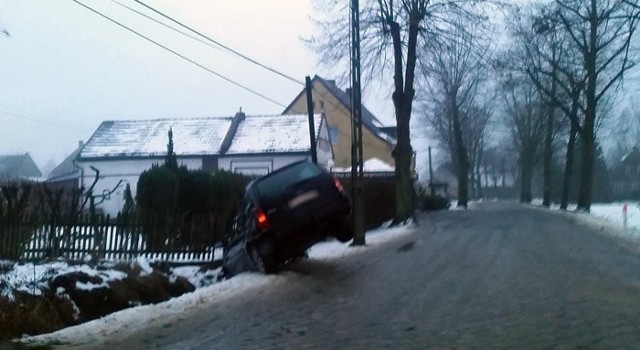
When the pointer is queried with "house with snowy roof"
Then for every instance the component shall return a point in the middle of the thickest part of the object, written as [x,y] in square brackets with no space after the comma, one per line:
[122,149]
[67,173]
[18,167]
[625,176]
[335,104]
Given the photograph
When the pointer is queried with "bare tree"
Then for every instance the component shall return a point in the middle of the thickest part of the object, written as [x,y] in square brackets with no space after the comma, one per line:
[391,34]
[525,117]
[550,63]
[601,31]
[456,70]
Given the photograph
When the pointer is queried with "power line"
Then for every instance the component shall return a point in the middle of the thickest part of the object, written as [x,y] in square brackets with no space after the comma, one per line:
[239,54]
[179,55]
[220,44]
[36,120]
[166,25]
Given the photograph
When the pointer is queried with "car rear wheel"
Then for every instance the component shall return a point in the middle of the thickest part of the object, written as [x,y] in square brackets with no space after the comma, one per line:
[344,233]
[261,259]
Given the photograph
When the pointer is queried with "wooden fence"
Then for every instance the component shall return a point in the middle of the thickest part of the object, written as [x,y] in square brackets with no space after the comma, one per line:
[101,238]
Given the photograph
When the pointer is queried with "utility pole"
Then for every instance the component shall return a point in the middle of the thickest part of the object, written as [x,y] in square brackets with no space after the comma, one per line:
[432,192]
[356,128]
[312,128]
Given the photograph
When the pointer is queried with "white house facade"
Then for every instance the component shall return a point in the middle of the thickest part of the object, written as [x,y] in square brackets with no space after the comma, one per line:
[121,150]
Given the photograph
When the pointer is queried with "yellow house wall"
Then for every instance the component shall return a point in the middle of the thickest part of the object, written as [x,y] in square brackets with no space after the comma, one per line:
[338,115]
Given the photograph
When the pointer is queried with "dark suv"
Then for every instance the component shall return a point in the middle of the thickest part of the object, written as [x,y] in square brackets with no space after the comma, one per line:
[283,214]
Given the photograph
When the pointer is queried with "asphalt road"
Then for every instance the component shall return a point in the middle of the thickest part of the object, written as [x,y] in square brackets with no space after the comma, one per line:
[496,277]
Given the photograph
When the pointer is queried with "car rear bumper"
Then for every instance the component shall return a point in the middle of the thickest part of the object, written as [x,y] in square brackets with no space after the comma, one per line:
[299,235]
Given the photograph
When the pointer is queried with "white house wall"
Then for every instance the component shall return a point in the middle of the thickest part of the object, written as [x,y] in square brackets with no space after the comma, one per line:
[323,145]
[257,165]
[112,171]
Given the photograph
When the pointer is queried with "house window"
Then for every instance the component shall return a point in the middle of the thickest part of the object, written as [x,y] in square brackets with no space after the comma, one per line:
[334,134]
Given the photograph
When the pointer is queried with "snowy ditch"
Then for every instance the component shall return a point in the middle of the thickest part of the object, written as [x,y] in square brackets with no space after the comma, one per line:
[208,290]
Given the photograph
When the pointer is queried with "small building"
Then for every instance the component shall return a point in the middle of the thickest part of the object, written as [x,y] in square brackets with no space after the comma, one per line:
[18,167]
[120,150]
[335,104]
[625,176]
[67,173]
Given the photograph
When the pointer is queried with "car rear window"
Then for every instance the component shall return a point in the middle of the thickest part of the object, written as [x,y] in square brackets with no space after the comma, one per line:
[271,186]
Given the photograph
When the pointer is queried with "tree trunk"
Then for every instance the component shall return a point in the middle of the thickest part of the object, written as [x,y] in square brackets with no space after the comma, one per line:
[461,156]
[588,136]
[547,161]
[526,175]
[403,100]
[480,193]
[568,168]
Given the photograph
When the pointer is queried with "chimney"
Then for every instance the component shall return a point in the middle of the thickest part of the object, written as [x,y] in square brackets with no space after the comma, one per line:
[348,91]
[80,144]
[231,133]
[239,116]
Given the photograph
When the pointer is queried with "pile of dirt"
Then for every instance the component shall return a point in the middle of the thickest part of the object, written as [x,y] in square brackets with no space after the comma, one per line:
[68,301]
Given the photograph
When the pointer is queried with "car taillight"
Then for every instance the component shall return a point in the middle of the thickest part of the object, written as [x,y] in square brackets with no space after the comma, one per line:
[338,185]
[261,219]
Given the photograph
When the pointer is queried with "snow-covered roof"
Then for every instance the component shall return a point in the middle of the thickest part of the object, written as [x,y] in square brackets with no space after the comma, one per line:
[19,166]
[140,138]
[371,165]
[273,134]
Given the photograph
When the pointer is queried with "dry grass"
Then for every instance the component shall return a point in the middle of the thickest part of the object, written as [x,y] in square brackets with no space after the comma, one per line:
[33,315]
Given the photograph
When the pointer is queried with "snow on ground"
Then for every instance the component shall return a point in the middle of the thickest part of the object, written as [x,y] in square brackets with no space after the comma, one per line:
[610,216]
[135,318]
[32,278]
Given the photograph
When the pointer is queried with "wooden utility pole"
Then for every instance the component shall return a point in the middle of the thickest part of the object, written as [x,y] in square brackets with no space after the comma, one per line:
[356,128]
[312,128]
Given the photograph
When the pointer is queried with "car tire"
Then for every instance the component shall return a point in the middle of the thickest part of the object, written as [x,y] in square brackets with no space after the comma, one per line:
[262,262]
[344,232]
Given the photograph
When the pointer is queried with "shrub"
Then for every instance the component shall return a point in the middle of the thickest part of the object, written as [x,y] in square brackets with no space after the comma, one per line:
[378,199]
[18,220]
[183,208]
[432,203]
[157,199]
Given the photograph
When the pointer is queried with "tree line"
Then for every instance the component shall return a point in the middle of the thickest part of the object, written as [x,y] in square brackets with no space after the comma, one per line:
[508,90]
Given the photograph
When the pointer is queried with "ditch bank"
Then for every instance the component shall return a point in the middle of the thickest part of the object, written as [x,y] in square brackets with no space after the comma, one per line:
[62,294]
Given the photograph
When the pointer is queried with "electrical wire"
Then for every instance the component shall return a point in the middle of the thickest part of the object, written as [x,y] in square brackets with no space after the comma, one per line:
[220,44]
[166,25]
[229,49]
[38,121]
[199,40]
[179,55]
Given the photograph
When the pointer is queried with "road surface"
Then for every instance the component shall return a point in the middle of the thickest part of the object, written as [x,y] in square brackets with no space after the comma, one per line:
[501,276]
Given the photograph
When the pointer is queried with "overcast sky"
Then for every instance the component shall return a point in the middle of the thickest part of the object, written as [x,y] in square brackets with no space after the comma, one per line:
[64,69]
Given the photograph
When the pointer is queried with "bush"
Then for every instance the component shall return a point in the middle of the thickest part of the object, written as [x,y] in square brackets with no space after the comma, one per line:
[378,199]
[157,199]
[18,220]
[183,208]
[432,203]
